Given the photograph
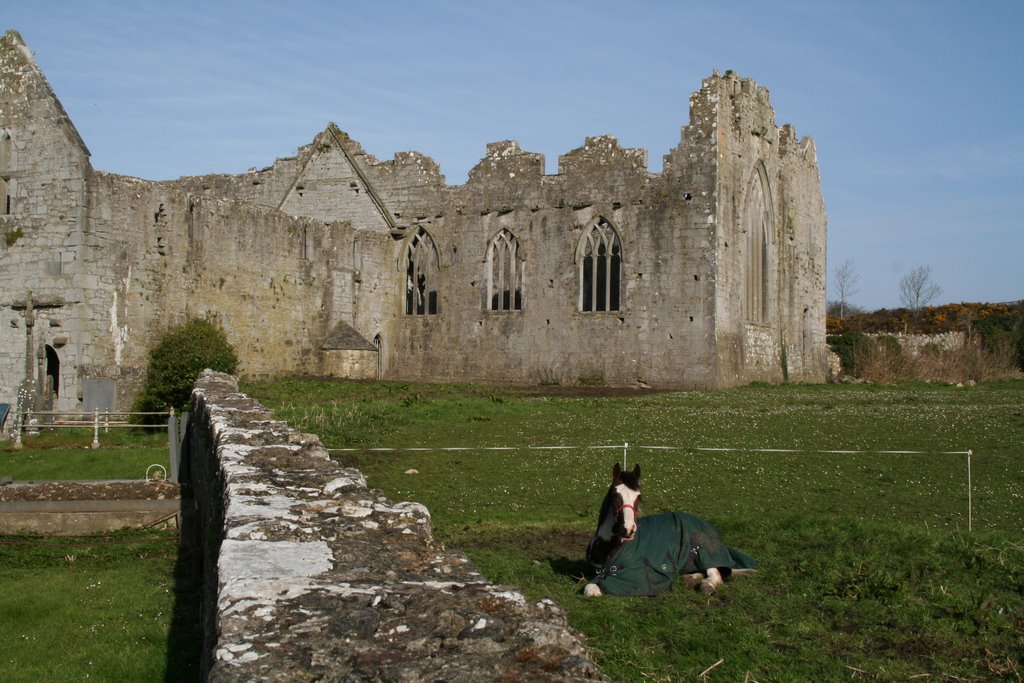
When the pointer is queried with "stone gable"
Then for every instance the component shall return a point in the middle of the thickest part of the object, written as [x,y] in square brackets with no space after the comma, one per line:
[710,273]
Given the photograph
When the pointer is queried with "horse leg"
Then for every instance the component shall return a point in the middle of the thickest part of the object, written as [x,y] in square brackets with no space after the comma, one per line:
[592,590]
[712,583]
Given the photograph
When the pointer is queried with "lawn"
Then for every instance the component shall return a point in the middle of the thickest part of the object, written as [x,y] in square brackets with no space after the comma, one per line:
[868,570]
[104,607]
[116,606]
[867,565]
[67,454]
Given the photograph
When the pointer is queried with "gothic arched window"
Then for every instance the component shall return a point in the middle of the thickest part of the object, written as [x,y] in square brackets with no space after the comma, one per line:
[758,227]
[504,273]
[6,153]
[421,274]
[599,258]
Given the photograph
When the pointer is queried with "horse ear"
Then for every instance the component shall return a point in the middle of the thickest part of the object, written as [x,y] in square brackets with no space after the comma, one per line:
[616,472]
[636,471]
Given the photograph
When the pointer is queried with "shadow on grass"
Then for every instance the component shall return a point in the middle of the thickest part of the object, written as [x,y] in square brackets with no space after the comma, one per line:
[575,569]
[185,639]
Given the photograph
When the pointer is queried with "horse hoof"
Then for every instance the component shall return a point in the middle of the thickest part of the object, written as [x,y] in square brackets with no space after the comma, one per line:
[591,590]
[692,581]
[707,587]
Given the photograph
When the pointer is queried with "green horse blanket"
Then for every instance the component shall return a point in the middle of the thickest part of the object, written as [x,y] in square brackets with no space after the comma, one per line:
[663,547]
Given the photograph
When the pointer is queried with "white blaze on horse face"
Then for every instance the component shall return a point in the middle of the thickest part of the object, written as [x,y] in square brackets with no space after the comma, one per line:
[629,499]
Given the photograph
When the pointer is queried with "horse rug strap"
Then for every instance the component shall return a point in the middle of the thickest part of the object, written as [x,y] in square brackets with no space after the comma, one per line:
[663,547]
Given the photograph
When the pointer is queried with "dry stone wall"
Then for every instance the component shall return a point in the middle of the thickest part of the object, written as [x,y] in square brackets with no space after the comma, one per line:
[310,575]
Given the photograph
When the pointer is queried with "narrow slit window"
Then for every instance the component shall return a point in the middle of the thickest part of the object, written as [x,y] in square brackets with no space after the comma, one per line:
[5,196]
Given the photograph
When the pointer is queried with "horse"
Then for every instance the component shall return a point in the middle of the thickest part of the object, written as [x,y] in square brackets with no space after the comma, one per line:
[635,555]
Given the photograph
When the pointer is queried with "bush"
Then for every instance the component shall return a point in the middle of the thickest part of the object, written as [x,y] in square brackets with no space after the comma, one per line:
[847,347]
[881,360]
[176,361]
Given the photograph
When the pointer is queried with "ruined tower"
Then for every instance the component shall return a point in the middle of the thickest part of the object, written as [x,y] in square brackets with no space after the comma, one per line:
[708,274]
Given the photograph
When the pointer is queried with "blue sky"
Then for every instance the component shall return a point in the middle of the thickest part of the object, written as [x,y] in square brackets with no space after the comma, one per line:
[916,107]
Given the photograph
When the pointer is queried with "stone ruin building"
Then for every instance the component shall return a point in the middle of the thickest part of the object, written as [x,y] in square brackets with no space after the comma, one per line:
[708,274]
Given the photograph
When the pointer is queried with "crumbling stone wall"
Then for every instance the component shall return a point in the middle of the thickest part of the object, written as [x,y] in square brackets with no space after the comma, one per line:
[310,575]
[914,344]
[718,275]
[95,265]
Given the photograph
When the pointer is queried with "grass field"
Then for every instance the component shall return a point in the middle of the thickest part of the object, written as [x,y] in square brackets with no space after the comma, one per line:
[868,569]
[67,454]
[108,607]
[102,608]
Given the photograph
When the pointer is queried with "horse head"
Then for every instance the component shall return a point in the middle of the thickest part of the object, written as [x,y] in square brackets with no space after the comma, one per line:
[617,520]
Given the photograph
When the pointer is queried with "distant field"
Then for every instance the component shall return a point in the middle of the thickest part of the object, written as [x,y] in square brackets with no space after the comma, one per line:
[867,566]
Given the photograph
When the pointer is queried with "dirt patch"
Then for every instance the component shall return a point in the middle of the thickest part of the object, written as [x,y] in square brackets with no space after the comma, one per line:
[83,490]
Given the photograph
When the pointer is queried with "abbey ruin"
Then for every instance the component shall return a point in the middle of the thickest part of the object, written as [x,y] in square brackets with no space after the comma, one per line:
[710,273]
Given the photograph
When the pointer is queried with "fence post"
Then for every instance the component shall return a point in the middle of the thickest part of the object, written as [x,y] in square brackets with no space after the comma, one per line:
[970,506]
[172,446]
[96,428]
[18,426]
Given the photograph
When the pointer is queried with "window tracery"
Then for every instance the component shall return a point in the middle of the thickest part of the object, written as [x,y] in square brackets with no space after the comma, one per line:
[504,273]
[421,274]
[599,259]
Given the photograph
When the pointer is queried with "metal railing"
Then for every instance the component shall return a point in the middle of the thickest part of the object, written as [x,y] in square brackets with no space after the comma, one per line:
[31,421]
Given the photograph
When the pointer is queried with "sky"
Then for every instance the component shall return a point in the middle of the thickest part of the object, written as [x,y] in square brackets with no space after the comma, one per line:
[916,107]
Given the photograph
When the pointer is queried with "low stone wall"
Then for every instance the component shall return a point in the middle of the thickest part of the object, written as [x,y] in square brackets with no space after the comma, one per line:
[913,344]
[310,575]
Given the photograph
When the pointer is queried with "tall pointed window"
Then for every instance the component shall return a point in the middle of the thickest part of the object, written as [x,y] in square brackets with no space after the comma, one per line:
[758,227]
[504,273]
[421,274]
[6,156]
[5,196]
[6,163]
[599,258]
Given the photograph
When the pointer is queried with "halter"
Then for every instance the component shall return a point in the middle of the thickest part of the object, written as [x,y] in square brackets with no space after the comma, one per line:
[631,506]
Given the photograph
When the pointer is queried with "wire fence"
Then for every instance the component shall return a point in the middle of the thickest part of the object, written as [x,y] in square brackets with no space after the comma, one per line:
[625,448]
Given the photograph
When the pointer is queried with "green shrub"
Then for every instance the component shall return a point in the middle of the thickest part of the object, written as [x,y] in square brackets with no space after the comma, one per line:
[847,347]
[176,361]
[1004,331]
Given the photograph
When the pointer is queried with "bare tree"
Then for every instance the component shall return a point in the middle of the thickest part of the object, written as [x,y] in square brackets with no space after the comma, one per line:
[918,289]
[844,283]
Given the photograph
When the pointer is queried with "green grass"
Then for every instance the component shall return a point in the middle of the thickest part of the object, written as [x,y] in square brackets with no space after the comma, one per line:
[867,566]
[103,607]
[100,608]
[66,454]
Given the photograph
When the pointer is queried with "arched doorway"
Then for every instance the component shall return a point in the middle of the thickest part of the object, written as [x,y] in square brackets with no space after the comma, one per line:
[51,386]
[379,345]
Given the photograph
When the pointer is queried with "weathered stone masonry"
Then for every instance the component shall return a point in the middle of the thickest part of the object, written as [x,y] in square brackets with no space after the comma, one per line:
[310,575]
[710,273]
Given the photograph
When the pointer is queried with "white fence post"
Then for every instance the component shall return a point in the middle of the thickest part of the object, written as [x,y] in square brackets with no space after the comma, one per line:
[18,426]
[96,429]
[970,506]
